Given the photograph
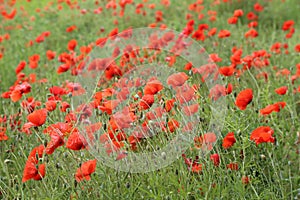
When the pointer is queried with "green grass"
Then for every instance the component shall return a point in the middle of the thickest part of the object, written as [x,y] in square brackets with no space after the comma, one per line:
[273,168]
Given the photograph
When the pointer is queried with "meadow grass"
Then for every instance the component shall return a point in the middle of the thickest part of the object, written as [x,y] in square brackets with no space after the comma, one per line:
[273,168]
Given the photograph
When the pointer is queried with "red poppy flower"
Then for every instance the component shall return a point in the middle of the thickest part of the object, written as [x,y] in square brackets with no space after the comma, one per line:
[232,20]
[19,90]
[193,165]
[121,155]
[196,168]
[188,66]
[252,16]
[167,37]
[156,113]
[232,166]
[121,136]
[31,171]
[123,119]
[238,13]
[50,105]
[50,55]
[20,67]
[226,71]
[63,68]
[258,7]
[205,141]
[236,57]
[287,25]
[55,142]
[216,159]
[276,107]
[33,64]
[169,104]
[72,45]
[153,87]
[244,98]
[224,34]
[85,49]
[267,110]
[99,64]
[109,106]
[284,72]
[70,118]
[262,134]
[112,71]
[76,141]
[64,106]
[185,94]
[26,128]
[10,15]
[252,24]
[177,79]
[113,146]
[279,105]
[146,101]
[212,32]
[103,94]
[173,125]
[71,28]
[101,42]
[123,93]
[3,136]
[190,109]
[199,35]
[215,57]
[29,104]
[38,117]
[282,90]
[60,127]
[40,39]
[228,140]
[245,180]
[297,48]
[217,91]
[57,91]
[34,58]
[252,33]
[85,170]
[229,89]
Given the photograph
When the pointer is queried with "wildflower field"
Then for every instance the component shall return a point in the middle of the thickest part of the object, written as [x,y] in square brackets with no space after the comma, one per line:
[149,99]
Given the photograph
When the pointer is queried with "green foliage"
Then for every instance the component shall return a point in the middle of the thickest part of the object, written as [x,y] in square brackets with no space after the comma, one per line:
[273,168]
